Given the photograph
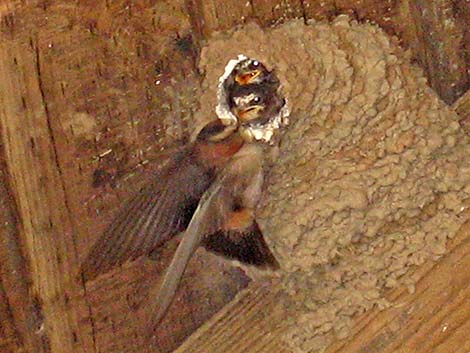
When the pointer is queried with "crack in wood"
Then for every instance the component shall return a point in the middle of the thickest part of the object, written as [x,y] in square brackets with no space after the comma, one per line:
[53,141]
[90,315]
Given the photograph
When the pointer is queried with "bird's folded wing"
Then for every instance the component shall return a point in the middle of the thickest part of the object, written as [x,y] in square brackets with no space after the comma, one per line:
[212,214]
[209,215]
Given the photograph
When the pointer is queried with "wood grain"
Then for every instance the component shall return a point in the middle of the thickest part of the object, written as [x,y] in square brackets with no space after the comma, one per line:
[8,336]
[435,318]
[46,230]
[253,322]
[436,32]
[90,94]
[81,116]
[18,315]
[462,107]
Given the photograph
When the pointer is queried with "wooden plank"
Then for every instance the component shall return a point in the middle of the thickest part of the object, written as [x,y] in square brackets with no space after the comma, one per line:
[253,322]
[439,38]
[70,71]
[46,228]
[19,317]
[462,107]
[209,16]
[8,336]
[93,92]
[435,318]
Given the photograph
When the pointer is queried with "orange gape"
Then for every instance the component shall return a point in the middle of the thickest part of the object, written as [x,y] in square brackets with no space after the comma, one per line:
[247,78]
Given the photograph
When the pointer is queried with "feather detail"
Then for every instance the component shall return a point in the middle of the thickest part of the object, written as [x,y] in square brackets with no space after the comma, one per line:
[236,186]
[159,211]
[246,245]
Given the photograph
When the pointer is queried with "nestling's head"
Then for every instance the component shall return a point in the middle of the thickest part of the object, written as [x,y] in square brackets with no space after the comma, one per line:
[255,104]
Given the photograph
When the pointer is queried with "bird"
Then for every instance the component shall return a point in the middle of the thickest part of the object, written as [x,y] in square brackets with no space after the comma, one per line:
[207,192]
[164,207]
[224,223]
[250,72]
[255,104]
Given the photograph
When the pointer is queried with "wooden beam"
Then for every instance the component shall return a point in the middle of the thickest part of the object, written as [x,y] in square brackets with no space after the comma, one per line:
[8,336]
[437,33]
[462,107]
[19,318]
[46,228]
[91,92]
[253,322]
[435,318]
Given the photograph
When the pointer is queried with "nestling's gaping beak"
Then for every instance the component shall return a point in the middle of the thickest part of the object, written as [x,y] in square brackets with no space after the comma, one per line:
[247,77]
[250,113]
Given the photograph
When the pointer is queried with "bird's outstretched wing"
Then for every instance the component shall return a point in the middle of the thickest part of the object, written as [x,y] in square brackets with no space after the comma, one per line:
[160,210]
[236,189]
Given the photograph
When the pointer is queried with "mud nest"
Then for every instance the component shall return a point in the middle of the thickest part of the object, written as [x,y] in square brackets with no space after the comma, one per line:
[373,175]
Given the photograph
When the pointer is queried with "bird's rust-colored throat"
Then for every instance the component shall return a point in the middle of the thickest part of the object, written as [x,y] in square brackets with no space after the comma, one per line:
[217,153]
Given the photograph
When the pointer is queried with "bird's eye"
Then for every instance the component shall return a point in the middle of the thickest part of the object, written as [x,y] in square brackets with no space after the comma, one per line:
[256,63]
[256,99]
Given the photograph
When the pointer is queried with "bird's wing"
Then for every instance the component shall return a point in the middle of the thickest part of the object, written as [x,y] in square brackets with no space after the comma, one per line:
[160,210]
[233,186]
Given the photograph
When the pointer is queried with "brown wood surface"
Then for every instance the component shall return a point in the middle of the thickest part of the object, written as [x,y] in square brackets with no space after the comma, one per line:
[46,228]
[437,32]
[434,318]
[462,107]
[18,315]
[82,123]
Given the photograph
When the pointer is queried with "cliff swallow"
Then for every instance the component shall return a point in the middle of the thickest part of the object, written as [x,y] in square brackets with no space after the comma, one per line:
[224,221]
[248,74]
[208,191]
[249,94]
[167,204]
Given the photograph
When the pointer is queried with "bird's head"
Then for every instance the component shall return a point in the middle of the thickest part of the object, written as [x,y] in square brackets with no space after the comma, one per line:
[255,104]
[249,97]
[251,71]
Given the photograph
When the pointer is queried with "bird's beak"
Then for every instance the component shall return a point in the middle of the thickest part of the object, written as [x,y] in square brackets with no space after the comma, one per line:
[250,113]
[247,78]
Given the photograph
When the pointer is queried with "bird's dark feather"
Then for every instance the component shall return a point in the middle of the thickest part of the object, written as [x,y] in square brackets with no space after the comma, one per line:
[245,245]
[160,210]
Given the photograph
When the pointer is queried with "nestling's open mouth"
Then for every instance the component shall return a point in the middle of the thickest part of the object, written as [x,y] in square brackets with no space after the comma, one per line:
[250,113]
[248,77]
